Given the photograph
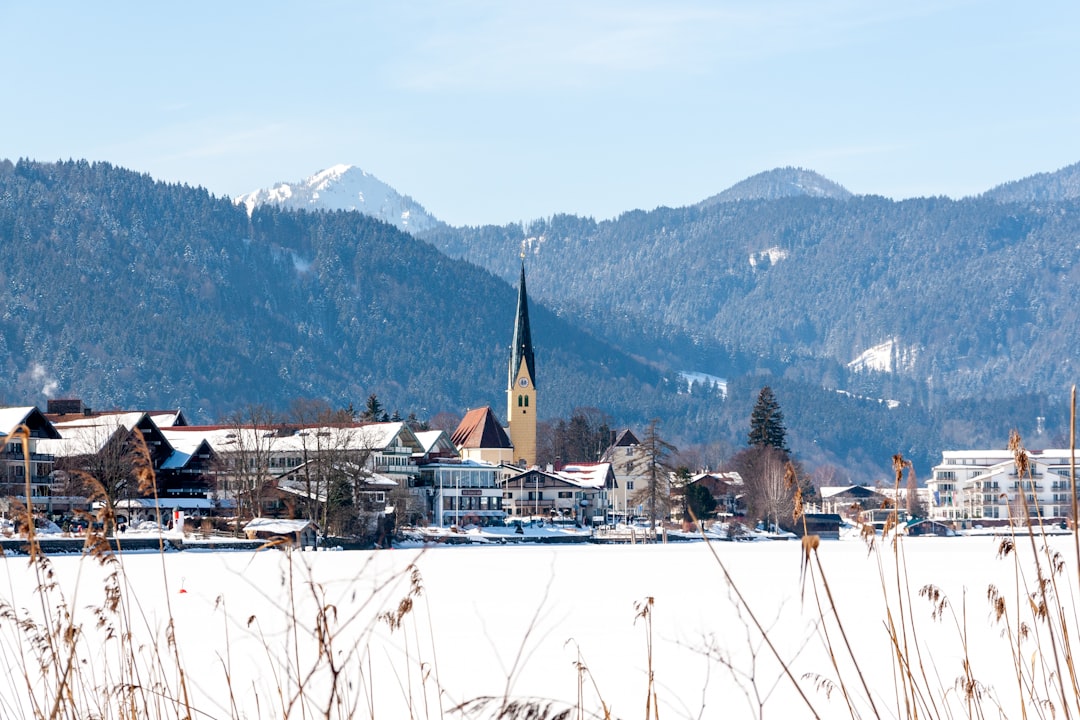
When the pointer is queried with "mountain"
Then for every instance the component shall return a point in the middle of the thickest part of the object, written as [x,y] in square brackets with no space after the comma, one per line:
[780,183]
[1057,186]
[973,298]
[881,326]
[345,187]
[949,306]
[127,292]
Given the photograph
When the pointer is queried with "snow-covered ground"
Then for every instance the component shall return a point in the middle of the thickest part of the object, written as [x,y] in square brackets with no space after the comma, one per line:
[520,620]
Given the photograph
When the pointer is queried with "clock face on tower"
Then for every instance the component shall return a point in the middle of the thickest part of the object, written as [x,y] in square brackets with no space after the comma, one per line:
[523,382]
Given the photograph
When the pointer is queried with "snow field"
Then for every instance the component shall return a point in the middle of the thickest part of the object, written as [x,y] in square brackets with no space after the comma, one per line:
[247,625]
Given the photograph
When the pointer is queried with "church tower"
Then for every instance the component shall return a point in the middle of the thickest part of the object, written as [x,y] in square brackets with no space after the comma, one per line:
[521,392]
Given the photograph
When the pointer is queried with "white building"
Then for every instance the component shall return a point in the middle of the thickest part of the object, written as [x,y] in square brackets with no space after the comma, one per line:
[630,466]
[577,492]
[463,492]
[983,486]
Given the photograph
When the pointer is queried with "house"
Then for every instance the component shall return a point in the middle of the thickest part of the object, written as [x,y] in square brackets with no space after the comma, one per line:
[824,525]
[850,500]
[462,491]
[575,492]
[630,465]
[434,445]
[290,470]
[922,527]
[31,465]
[298,533]
[110,447]
[984,487]
[726,488]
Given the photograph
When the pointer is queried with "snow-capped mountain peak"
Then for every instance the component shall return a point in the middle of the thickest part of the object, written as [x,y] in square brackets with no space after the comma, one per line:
[345,187]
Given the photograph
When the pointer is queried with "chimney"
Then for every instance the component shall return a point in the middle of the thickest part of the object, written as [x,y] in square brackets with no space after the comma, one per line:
[65,406]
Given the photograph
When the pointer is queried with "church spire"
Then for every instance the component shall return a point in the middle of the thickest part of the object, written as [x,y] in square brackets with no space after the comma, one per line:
[521,392]
[522,347]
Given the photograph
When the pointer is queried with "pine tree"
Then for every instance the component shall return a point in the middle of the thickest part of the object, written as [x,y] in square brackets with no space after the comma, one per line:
[767,423]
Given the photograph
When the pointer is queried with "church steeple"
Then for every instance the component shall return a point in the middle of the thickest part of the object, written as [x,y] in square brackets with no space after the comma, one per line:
[522,346]
[521,389]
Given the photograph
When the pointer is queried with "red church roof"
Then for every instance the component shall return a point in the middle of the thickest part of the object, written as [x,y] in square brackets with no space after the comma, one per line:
[480,429]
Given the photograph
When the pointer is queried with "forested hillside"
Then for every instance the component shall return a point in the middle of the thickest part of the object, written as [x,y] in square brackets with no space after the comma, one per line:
[127,292]
[975,298]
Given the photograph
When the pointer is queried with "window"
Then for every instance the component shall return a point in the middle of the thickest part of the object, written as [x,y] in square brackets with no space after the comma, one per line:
[526,401]
[563,494]
[519,400]
[629,484]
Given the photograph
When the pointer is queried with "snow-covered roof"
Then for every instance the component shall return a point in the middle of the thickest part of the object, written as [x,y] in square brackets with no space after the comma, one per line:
[12,417]
[828,491]
[88,435]
[225,439]
[730,477]
[165,503]
[183,441]
[166,418]
[586,475]
[277,526]
[428,439]
[176,460]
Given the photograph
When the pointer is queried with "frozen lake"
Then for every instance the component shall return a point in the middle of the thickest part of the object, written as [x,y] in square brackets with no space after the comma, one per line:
[519,622]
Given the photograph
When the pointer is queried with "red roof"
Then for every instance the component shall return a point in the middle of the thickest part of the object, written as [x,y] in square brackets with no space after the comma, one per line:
[480,429]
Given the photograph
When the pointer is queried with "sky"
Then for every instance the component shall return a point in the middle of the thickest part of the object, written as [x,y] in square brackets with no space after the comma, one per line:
[498,112]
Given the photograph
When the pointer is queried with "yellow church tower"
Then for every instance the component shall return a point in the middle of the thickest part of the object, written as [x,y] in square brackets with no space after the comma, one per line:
[521,393]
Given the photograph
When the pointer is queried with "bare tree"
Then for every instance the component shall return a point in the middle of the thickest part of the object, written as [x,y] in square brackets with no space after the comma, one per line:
[110,463]
[254,432]
[655,493]
[769,496]
[309,416]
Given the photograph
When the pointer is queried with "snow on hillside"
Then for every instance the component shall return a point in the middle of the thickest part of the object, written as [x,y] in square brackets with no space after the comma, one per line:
[773,254]
[345,187]
[885,357]
[690,377]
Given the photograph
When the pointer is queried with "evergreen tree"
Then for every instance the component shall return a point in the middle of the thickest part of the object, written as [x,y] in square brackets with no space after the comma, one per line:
[767,423]
[373,411]
[699,501]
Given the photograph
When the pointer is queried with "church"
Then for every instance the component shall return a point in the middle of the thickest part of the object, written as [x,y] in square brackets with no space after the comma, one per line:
[479,436]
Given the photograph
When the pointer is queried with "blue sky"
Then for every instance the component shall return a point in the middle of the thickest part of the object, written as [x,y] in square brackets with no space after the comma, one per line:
[495,112]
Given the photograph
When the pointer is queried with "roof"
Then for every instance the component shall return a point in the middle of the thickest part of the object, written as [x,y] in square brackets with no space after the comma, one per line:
[625,438]
[225,438]
[522,349]
[480,429]
[162,418]
[88,434]
[730,477]
[589,476]
[278,527]
[12,417]
[852,490]
[165,502]
[430,440]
